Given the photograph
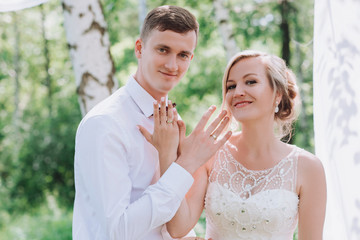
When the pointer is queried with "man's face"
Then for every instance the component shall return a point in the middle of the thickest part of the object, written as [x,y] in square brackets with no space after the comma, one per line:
[163,59]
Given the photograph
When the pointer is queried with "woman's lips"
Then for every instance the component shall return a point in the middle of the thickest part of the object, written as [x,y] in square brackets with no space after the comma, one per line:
[241,104]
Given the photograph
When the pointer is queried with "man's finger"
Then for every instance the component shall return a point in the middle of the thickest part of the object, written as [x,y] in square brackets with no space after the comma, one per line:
[145,133]
[156,114]
[175,114]
[163,115]
[170,113]
[182,130]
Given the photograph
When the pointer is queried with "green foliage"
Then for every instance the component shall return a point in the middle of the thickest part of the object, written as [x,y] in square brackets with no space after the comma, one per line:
[47,223]
[37,145]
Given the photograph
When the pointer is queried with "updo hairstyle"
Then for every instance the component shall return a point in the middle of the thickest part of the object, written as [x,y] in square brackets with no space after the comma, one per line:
[282,80]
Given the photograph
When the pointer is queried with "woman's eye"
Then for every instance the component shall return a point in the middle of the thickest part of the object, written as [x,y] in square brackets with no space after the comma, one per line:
[231,87]
[250,82]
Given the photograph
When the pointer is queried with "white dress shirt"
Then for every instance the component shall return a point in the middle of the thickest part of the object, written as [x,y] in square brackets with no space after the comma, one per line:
[119,192]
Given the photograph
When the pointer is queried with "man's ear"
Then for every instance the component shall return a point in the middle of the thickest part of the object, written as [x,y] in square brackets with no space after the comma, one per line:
[138,48]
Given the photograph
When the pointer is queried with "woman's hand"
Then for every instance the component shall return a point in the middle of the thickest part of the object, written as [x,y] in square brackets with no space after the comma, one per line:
[196,149]
[165,137]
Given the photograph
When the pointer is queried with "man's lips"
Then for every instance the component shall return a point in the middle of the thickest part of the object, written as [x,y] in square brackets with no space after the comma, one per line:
[169,74]
[240,104]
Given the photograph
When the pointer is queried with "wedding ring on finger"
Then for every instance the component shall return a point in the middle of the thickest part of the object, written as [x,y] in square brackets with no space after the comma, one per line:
[169,121]
[213,136]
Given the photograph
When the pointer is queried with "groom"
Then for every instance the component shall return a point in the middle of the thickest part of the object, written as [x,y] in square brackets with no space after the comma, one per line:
[119,191]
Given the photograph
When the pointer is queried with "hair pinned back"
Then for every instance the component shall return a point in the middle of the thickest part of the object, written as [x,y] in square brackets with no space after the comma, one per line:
[282,80]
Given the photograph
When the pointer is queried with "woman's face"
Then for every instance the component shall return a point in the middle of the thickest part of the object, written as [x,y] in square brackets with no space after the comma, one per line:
[249,95]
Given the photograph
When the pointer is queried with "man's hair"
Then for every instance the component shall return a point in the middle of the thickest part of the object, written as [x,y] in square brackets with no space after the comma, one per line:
[171,18]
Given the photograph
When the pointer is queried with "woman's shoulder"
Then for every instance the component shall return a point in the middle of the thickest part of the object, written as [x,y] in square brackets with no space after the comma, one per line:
[310,166]
[307,158]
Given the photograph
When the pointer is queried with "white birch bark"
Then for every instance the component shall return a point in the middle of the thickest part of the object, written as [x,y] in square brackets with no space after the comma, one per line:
[88,41]
[17,71]
[225,28]
[142,13]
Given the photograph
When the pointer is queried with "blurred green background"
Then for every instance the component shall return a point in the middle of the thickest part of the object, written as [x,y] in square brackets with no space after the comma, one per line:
[39,110]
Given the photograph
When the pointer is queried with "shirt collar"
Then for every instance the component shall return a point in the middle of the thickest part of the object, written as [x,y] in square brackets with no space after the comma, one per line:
[140,96]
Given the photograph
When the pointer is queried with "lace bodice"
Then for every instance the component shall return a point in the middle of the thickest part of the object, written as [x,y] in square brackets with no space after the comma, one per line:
[248,204]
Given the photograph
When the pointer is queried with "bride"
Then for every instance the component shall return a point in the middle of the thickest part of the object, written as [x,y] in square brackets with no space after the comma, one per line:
[255,186]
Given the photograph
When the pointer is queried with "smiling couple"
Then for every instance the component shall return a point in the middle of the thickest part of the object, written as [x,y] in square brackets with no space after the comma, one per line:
[137,175]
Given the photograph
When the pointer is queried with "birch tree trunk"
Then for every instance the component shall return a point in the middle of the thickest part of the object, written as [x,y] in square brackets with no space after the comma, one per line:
[142,13]
[48,82]
[17,68]
[225,28]
[88,41]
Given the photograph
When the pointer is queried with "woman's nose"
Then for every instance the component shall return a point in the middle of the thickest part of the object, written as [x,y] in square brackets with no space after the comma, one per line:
[239,90]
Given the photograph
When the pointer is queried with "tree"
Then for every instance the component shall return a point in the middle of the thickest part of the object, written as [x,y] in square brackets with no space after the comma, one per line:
[89,45]
[225,28]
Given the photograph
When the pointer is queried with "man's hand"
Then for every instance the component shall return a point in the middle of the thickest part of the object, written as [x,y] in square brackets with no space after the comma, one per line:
[165,137]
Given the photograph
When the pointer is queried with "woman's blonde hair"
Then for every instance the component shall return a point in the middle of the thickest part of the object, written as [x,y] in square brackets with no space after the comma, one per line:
[282,81]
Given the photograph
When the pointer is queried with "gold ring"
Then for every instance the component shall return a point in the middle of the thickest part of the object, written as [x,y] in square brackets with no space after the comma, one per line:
[169,121]
[213,136]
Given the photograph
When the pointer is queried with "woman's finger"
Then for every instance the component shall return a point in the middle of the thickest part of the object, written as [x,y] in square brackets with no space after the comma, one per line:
[163,111]
[204,119]
[217,132]
[145,133]
[213,126]
[222,141]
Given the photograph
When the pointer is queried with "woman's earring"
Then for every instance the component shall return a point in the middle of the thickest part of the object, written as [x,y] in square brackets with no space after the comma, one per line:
[277,107]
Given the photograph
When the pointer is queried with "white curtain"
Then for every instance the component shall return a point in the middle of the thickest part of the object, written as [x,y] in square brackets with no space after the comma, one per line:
[337,112]
[15,5]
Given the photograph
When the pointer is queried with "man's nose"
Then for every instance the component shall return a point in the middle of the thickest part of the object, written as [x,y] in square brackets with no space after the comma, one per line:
[171,63]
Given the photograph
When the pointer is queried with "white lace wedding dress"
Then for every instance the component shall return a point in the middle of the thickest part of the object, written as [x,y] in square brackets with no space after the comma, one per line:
[248,204]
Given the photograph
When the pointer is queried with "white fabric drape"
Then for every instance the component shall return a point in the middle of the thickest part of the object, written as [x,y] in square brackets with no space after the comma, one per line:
[337,112]
[15,5]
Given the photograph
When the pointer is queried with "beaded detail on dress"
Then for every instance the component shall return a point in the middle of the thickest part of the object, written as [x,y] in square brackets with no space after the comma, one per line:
[248,204]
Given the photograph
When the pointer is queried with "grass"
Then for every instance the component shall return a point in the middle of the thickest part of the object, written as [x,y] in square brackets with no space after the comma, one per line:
[52,223]
[46,223]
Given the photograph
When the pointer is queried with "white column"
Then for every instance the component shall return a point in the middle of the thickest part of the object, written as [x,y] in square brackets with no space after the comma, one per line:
[337,112]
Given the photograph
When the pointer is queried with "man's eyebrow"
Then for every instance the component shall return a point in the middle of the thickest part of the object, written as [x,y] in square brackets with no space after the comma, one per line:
[163,46]
[186,52]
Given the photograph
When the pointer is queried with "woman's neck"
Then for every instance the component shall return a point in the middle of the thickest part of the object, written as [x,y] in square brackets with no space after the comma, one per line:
[258,141]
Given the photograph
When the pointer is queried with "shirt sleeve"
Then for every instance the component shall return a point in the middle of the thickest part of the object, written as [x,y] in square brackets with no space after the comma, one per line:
[104,187]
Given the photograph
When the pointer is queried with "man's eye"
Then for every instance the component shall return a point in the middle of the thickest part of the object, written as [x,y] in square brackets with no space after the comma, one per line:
[184,56]
[162,50]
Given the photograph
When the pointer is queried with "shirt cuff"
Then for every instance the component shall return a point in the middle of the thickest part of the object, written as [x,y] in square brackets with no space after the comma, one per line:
[177,179]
